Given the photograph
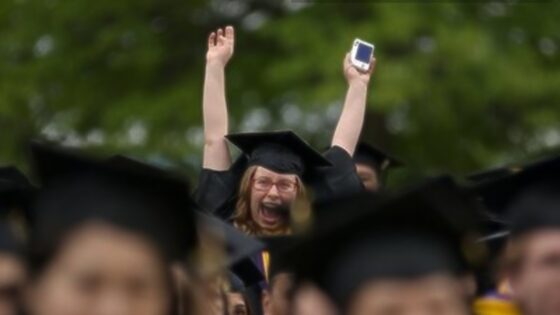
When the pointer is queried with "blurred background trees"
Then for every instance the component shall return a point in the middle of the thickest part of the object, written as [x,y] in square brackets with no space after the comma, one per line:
[458,87]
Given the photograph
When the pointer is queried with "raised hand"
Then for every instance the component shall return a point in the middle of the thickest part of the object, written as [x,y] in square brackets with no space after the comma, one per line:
[220,46]
[352,74]
[351,121]
[214,106]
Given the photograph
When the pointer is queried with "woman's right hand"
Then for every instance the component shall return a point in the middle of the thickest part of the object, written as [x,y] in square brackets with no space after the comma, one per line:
[220,46]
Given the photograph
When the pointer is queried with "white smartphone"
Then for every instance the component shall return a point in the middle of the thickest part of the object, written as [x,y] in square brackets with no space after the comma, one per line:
[361,54]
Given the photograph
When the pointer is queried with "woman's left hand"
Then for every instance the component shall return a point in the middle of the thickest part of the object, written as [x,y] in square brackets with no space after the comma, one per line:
[352,74]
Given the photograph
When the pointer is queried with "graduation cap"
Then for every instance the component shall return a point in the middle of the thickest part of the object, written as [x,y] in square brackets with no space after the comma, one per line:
[496,234]
[502,193]
[375,157]
[12,180]
[241,251]
[244,275]
[530,198]
[78,189]
[497,227]
[519,199]
[15,189]
[279,151]
[426,230]
[276,246]
[238,247]
[248,272]
[538,207]
[9,241]
[492,174]
[136,165]
[235,282]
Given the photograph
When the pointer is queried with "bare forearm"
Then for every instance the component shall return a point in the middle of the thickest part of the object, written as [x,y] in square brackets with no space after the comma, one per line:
[214,105]
[350,123]
[215,116]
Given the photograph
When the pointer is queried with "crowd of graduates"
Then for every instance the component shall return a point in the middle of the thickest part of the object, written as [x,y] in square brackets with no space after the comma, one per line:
[281,229]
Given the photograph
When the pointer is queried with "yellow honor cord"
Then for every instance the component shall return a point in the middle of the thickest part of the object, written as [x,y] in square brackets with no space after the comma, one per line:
[266,263]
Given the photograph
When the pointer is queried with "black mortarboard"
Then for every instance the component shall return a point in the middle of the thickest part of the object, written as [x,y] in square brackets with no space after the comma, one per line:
[77,189]
[537,207]
[492,174]
[244,275]
[276,246]
[429,229]
[497,228]
[12,180]
[525,198]
[496,233]
[15,189]
[235,282]
[375,157]
[239,246]
[279,151]
[519,199]
[248,271]
[9,242]
[135,165]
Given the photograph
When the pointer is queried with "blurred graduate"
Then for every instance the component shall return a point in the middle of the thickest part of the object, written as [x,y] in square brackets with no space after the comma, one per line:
[409,254]
[104,237]
[529,202]
[373,165]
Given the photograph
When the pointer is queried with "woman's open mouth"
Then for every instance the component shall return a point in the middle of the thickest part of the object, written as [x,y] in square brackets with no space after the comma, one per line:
[273,214]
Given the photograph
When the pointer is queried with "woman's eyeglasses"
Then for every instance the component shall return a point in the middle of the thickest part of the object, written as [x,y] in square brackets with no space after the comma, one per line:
[265,184]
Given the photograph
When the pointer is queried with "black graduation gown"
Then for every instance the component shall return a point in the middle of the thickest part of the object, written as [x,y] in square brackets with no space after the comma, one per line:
[339,180]
[217,190]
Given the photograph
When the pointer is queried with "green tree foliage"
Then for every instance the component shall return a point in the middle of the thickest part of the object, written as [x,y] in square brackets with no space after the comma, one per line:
[458,86]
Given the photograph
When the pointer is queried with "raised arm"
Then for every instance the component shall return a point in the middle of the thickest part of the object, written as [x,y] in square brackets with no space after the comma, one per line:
[350,123]
[214,108]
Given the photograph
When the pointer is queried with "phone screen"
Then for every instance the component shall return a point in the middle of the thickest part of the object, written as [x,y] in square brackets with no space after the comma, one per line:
[364,53]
